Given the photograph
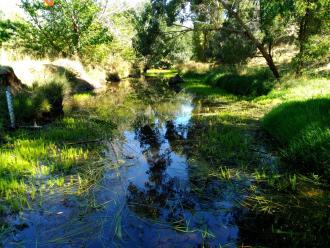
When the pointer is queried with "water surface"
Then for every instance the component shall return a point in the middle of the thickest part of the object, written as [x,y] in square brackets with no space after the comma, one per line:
[148,192]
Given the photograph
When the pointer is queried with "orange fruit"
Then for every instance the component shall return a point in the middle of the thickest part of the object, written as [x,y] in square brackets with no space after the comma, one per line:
[49,3]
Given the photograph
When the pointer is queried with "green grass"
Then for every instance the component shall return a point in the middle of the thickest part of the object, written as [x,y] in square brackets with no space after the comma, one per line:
[299,120]
[300,127]
[251,83]
[60,148]
[303,131]
[221,139]
[54,150]
[161,73]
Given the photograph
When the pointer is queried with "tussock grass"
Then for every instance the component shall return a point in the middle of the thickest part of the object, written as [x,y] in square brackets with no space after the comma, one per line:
[303,130]
[59,148]
[252,82]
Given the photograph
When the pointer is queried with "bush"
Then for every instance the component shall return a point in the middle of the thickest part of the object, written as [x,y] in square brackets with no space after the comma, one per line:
[257,83]
[303,130]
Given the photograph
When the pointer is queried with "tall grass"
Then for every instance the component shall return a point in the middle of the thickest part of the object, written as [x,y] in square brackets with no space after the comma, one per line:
[303,130]
[40,103]
[254,82]
[59,148]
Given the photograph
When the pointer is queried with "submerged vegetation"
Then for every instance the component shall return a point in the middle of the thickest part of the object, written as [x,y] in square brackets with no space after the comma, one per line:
[232,133]
[195,123]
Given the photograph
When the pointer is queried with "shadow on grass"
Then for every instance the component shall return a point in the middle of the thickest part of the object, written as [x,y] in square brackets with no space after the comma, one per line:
[227,80]
[303,130]
[285,208]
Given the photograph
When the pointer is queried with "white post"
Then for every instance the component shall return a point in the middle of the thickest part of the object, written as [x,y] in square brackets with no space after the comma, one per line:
[10,107]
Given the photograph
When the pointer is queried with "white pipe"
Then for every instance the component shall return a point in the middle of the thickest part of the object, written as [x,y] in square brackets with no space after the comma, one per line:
[10,107]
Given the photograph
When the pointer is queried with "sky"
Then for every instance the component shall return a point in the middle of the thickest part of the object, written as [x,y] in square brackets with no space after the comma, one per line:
[10,7]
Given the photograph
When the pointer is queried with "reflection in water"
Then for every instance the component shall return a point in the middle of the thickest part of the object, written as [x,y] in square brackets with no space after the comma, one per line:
[158,197]
[168,195]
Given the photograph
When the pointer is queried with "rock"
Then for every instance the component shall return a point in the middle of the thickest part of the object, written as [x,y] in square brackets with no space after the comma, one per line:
[9,78]
[175,81]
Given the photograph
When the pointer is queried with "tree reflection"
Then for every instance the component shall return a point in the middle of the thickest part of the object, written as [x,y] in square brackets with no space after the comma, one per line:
[161,197]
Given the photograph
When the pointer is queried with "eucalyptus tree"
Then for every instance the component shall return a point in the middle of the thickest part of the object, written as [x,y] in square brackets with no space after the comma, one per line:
[70,27]
[157,42]
[245,14]
[307,21]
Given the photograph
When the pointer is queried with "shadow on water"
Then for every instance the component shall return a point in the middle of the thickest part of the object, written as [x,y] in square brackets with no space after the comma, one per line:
[149,191]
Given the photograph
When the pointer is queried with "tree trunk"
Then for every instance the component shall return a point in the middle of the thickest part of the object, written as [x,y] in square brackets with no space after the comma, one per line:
[302,38]
[268,57]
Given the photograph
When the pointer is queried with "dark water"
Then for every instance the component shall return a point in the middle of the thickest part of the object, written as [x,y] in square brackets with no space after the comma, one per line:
[152,199]
[148,192]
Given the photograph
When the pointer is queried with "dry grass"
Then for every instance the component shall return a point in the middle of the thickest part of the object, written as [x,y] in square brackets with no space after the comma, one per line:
[30,70]
[195,67]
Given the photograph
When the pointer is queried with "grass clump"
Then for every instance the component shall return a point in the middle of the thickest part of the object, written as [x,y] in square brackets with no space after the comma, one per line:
[63,147]
[252,83]
[303,130]
[222,142]
[40,103]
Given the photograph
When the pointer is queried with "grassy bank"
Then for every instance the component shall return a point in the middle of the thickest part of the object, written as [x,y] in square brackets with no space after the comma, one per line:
[302,129]
[295,112]
[67,140]
[235,133]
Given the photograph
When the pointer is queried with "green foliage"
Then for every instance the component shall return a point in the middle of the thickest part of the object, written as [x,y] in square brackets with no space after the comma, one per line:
[303,130]
[312,21]
[256,83]
[159,45]
[68,28]
[232,48]
[40,103]
[7,31]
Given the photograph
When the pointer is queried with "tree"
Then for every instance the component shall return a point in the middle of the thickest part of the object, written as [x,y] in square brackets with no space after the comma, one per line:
[312,17]
[158,44]
[170,9]
[249,33]
[68,28]
[309,20]
[228,46]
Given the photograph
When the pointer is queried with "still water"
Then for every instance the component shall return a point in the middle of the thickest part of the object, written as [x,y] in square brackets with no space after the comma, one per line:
[146,194]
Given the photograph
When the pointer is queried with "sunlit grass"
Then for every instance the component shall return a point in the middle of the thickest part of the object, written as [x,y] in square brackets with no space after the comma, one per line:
[63,147]
[161,73]
[278,192]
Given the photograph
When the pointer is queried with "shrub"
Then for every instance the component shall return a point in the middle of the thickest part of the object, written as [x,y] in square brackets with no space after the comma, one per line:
[255,84]
[303,130]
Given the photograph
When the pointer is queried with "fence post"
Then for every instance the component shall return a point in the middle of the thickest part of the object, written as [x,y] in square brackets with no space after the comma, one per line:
[10,107]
